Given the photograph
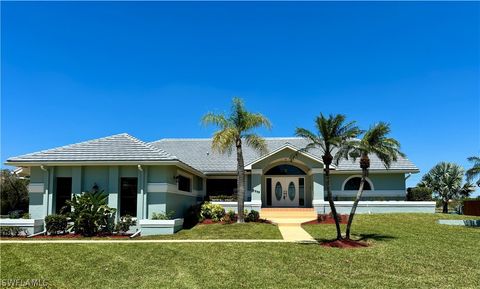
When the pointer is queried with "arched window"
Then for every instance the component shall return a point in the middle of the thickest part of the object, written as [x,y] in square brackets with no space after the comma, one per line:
[283,170]
[354,183]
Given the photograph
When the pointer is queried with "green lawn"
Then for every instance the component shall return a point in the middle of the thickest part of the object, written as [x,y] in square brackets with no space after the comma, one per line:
[230,231]
[408,251]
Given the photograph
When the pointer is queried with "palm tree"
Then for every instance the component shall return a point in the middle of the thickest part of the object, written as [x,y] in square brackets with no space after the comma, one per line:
[235,129]
[333,135]
[376,142]
[474,171]
[445,180]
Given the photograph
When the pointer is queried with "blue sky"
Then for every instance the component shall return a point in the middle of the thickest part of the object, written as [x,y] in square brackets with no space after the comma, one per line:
[76,71]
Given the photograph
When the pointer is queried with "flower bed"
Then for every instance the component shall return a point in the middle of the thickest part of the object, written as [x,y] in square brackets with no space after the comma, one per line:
[324,219]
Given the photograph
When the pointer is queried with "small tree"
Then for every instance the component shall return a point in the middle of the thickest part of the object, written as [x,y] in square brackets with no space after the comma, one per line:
[445,180]
[376,142]
[236,130]
[13,193]
[333,135]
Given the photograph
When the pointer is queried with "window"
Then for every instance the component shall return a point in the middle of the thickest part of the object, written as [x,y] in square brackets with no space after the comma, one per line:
[63,193]
[283,170]
[301,191]
[221,187]
[354,183]
[269,191]
[184,183]
[128,196]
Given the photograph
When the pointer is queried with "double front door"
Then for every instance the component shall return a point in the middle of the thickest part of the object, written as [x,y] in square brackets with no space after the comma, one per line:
[285,191]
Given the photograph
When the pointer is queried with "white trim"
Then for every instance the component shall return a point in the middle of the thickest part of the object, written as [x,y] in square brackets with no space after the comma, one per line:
[257,171]
[160,223]
[357,176]
[285,146]
[171,189]
[315,171]
[177,163]
[378,203]
[36,188]
[21,222]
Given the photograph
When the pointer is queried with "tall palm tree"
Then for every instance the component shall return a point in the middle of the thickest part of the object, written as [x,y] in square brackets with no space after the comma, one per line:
[376,142]
[445,180]
[235,129]
[474,171]
[333,135]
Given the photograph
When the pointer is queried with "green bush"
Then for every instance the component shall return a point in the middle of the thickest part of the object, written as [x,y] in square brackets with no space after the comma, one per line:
[90,214]
[56,224]
[10,231]
[124,224]
[419,194]
[229,217]
[163,216]
[253,216]
[211,211]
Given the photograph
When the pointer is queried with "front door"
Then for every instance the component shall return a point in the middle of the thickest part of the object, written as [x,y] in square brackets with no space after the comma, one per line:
[285,191]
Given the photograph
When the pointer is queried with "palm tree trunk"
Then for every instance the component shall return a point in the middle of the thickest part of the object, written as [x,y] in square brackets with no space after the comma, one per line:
[355,203]
[240,183]
[445,206]
[330,201]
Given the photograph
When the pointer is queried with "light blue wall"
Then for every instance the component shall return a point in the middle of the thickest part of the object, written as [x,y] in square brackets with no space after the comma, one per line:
[95,175]
[391,181]
[179,203]
[108,179]
[162,174]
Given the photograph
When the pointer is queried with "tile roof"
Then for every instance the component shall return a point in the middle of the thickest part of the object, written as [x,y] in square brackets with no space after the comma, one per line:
[198,154]
[120,147]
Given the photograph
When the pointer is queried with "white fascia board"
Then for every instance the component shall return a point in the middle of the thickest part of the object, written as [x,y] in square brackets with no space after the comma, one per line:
[285,146]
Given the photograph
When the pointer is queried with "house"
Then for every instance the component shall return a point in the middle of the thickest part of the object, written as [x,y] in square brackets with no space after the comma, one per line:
[172,174]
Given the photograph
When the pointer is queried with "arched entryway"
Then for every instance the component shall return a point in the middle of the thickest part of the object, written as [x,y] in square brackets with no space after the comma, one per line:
[285,186]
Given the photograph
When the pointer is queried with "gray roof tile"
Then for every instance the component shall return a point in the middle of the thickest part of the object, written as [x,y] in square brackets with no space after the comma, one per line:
[198,154]
[120,147]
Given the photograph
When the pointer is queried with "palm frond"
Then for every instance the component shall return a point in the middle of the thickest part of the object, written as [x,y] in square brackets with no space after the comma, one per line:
[224,140]
[215,119]
[256,142]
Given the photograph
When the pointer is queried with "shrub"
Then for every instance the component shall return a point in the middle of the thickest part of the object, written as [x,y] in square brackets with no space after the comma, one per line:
[124,224]
[419,194]
[15,214]
[253,216]
[90,214]
[10,231]
[163,216]
[229,217]
[26,216]
[56,224]
[211,211]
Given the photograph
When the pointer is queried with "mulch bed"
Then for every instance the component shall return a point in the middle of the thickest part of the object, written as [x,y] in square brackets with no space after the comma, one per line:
[344,244]
[327,219]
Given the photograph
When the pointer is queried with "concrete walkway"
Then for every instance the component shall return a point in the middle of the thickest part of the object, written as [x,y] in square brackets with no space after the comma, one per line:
[289,222]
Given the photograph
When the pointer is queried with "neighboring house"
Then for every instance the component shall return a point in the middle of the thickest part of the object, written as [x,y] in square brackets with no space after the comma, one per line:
[172,174]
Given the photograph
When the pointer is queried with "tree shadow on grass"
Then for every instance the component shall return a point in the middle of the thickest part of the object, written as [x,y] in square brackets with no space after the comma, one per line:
[362,238]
